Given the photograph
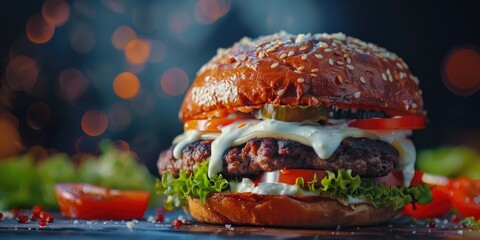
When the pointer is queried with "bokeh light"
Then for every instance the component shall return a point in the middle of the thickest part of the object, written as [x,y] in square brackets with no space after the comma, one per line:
[122,145]
[9,117]
[38,30]
[117,6]
[119,116]
[82,39]
[208,11]
[72,84]
[174,81]
[461,71]
[38,116]
[38,152]
[178,22]
[86,144]
[94,122]
[137,51]
[158,51]
[126,85]
[21,73]
[9,137]
[122,36]
[56,12]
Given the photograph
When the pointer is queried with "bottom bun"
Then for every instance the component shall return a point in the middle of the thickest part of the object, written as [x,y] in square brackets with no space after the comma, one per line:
[284,211]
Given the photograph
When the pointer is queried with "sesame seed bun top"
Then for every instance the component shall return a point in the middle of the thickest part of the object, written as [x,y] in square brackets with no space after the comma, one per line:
[303,69]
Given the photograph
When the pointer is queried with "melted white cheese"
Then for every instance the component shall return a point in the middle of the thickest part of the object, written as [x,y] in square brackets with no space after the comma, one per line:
[323,139]
[247,185]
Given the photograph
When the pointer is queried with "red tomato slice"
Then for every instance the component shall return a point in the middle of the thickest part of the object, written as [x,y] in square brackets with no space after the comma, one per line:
[438,207]
[86,201]
[289,176]
[211,125]
[466,196]
[403,122]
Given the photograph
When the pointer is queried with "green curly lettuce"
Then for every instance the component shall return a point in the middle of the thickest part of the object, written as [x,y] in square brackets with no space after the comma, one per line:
[196,184]
[341,186]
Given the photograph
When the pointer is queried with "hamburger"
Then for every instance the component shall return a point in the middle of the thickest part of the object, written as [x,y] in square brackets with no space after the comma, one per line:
[307,130]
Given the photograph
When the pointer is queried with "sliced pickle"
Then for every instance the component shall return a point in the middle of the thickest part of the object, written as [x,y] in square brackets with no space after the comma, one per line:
[312,114]
[292,114]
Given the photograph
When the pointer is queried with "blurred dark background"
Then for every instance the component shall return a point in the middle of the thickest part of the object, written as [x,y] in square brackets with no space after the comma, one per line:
[75,72]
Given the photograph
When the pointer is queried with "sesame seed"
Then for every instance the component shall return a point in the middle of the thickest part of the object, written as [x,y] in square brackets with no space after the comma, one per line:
[314,100]
[330,61]
[339,79]
[270,50]
[384,77]
[358,50]
[362,79]
[244,57]
[301,68]
[237,64]
[390,78]
[290,53]
[284,55]
[303,48]
[314,70]
[414,105]
[274,65]
[261,55]
[357,94]
[313,75]
[300,80]
[300,38]
[280,92]
[340,63]
[399,65]
[322,45]
[298,71]
[304,57]
[328,50]
[349,60]
[351,67]
[388,71]
[319,56]
[337,53]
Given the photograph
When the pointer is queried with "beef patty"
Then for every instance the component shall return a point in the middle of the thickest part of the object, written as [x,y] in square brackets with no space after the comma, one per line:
[364,156]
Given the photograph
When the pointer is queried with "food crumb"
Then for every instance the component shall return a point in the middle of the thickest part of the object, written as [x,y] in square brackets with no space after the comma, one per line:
[150,219]
[460,232]
[135,221]
[130,225]
[75,221]
[228,226]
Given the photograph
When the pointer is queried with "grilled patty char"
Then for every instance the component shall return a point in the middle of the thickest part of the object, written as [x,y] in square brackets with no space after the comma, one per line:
[364,156]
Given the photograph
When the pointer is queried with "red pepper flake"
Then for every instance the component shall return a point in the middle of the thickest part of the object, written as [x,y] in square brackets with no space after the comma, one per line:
[42,223]
[432,224]
[160,217]
[50,219]
[22,219]
[37,209]
[15,212]
[44,215]
[1,216]
[177,223]
[455,218]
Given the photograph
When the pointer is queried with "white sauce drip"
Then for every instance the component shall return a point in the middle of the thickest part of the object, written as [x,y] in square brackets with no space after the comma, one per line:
[323,139]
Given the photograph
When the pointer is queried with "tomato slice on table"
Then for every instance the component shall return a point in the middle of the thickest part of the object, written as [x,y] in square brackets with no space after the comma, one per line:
[402,122]
[466,196]
[86,201]
[438,207]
